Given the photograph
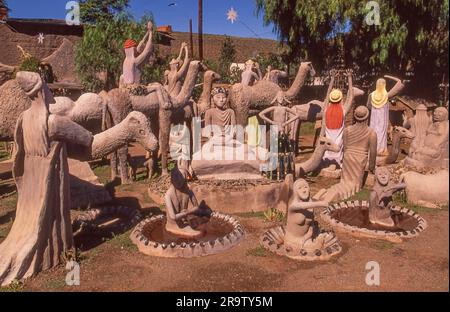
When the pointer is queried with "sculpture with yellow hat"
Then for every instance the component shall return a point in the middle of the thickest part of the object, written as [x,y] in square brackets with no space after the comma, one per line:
[378,103]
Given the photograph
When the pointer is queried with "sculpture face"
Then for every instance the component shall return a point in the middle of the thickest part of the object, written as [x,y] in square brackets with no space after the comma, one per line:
[301,189]
[280,98]
[439,114]
[381,84]
[220,99]
[383,176]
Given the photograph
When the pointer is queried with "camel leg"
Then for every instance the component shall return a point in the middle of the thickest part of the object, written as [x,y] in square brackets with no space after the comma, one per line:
[164,136]
[113,164]
[123,155]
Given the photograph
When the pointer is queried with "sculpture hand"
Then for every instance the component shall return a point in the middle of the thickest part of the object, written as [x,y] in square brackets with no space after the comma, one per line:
[150,26]
[333,72]
[349,72]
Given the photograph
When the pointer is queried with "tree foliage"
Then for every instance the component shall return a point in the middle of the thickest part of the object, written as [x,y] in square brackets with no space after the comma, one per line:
[227,56]
[411,33]
[99,55]
[92,11]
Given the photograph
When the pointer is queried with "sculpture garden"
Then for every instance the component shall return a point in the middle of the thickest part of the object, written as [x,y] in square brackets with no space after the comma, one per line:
[222,186]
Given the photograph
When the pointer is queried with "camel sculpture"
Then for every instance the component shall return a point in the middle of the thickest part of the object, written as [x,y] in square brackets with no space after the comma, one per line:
[398,134]
[248,101]
[313,163]
[120,103]
[89,111]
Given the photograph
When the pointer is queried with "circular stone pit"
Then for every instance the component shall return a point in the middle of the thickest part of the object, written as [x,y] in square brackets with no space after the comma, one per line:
[272,240]
[221,233]
[352,217]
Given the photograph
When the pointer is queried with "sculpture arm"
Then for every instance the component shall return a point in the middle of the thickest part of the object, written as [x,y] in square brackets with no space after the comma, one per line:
[148,48]
[63,129]
[308,205]
[263,113]
[397,88]
[372,151]
[194,201]
[326,101]
[140,47]
[256,76]
[350,95]
[183,70]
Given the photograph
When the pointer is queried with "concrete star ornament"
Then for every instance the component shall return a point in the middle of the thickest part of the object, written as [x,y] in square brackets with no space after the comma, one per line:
[232,15]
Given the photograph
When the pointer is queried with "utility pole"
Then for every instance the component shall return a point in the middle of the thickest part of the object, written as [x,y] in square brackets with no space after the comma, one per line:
[191,39]
[200,30]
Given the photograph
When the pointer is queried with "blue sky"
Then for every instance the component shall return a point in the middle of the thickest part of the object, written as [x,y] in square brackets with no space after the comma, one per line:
[214,14]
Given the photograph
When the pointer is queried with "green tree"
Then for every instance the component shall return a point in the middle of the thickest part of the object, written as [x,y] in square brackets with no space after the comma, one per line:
[92,11]
[411,34]
[227,56]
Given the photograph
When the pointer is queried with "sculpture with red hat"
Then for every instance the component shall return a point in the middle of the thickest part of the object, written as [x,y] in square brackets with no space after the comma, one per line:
[135,56]
[335,111]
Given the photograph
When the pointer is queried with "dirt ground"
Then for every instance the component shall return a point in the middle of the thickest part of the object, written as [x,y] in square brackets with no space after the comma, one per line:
[419,264]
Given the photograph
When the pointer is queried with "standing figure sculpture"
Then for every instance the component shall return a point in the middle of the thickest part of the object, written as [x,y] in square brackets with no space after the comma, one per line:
[380,201]
[281,113]
[378,103]
[334,119]
[282,119]
[42,229]
[418,125]
[360,142]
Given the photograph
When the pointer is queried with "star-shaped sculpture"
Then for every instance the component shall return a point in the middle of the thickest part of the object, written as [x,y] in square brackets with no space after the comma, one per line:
[232,15]
[40,38]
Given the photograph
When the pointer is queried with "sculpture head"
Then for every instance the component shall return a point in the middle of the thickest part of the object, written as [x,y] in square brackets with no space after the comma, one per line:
[130,47]
[31,83]
[309,67]
[280,98]
[382,175]
[301,190]
[249,65]
[220,97]
[178,178]
[139,129]
[361,114]
[440,114]
[335,96]
[328,145]
[175,64]
[403,133]
[380,96]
